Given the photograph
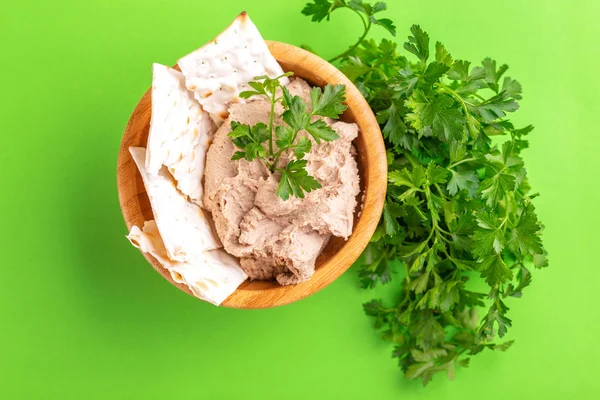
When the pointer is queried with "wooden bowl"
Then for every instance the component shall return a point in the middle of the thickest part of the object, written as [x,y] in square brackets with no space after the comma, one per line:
[338,255]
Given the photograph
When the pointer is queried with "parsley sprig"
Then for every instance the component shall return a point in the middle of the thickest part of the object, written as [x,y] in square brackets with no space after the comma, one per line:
[322,9]
[269,142]
[458,214]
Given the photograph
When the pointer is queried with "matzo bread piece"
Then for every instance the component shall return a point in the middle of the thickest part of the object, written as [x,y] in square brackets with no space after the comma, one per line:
[212,276]
[220,70]
[180,132]
[185,228]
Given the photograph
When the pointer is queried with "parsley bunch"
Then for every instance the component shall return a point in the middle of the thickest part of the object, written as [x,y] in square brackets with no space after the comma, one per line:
[252,140]
[458,214]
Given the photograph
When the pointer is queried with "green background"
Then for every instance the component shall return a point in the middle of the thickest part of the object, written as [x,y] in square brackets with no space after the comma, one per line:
[82,315]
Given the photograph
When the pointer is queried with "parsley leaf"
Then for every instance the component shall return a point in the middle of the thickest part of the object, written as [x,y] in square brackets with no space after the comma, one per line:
[296,115]
[462,180]
[524,279]
[418,43]
[379,270]
[295,180]
[496,316]
[494,270]
[435,70]
[391,213]
[320,9]
[320,130]
[302,147]
[244,135]
[285,139]
[394,128]
[523,237]
[439,115]
[329,103]
[285,136]
[442,55]
[385,23]
[493,74]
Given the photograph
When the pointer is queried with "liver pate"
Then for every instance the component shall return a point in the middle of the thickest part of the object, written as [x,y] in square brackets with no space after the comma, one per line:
[277,239]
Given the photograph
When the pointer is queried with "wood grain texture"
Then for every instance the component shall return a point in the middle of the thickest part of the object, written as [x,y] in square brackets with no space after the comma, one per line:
[339,255]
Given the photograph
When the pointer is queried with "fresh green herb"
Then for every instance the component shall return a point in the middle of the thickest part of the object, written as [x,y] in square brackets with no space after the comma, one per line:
[257,142]
[458,213]
[322,9]
[295,180]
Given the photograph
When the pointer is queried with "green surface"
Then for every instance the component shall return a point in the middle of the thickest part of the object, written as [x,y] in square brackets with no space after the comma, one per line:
[84,317]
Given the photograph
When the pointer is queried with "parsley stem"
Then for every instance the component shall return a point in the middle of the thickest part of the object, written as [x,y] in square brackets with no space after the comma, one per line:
[435,227]
[367,27]
[445,89]
[439,189]
[444,231]
[361,18]
[440,236]
[271,116]
[461,161]
[412,159]
[277,155]
[480,97]
[280,152]
[430,234]
[506,213]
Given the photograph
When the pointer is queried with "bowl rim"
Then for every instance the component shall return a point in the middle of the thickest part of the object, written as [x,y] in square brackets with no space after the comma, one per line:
[374,164]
